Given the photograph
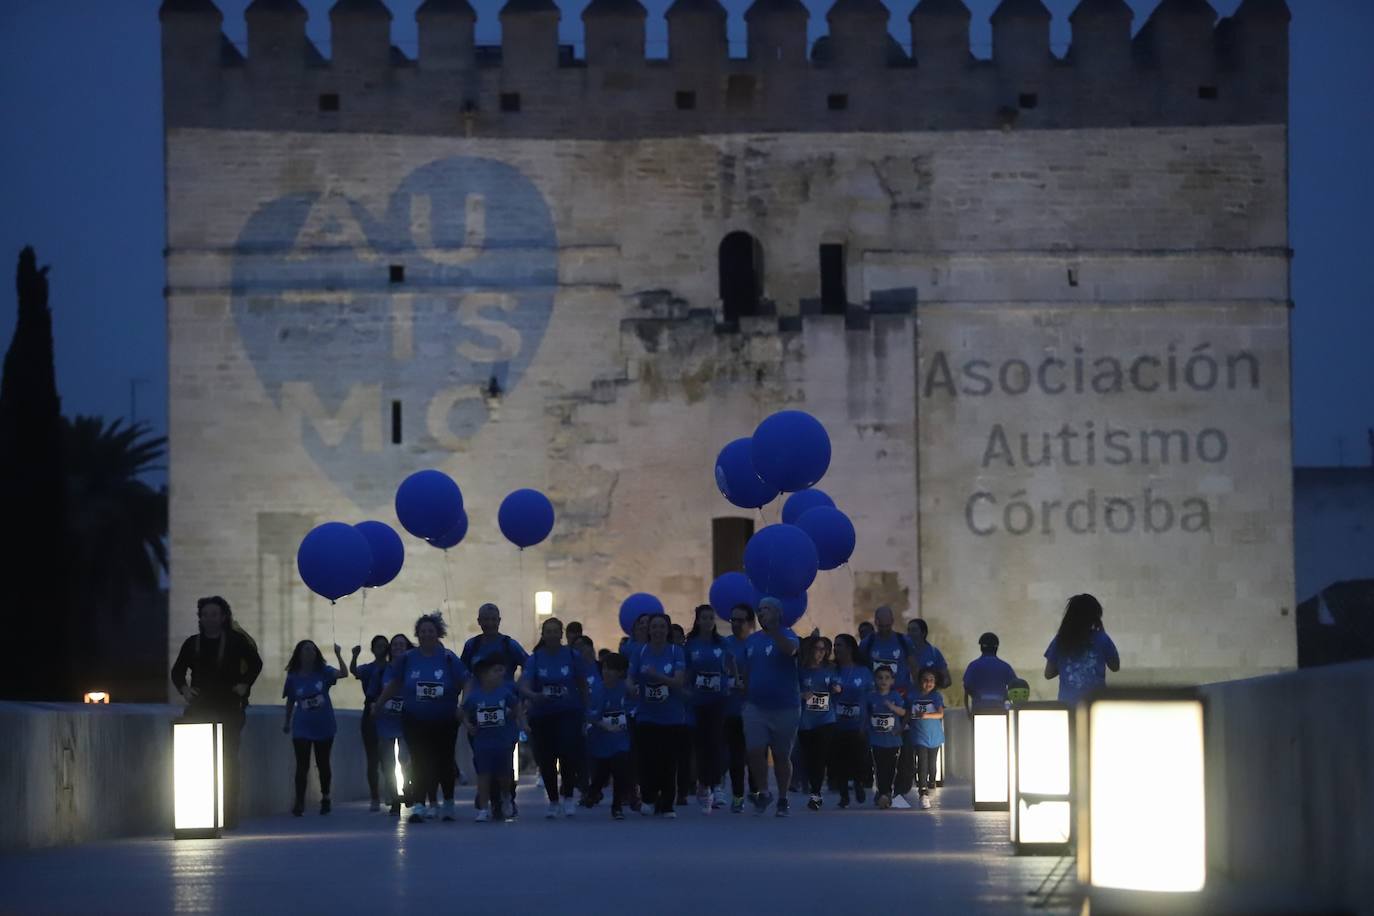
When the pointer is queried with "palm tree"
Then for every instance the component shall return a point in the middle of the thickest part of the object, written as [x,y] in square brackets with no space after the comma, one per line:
[116,520]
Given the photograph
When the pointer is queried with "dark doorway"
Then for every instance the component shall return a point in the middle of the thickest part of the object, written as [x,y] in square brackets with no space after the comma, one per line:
[728,537]
[832,280]
[741,275]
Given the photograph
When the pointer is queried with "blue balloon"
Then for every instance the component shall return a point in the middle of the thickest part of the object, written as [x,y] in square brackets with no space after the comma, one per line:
[453,537]
[334,560]
[781,560]
[636,606]
[388,553]
[525,517]
[832,532]
[800,502]
[730,590]
[790,450]
[737,479]
[428,504]
[792,609]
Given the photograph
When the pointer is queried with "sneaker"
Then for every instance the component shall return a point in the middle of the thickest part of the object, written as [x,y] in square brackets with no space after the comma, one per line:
[432,811]
[375,806]
[883,802]
[553,811]
[784,807]
[395,810]
[844,799]
[569,807]
[645,810]
[925,802]
[483,816]
[449,813]
[718,798]
[860,795]
[325,806]
[298,809]
[669,815]
[539,782]
[514,810]
[761,801]
[814,803]
[617,814]
[737,805]
[417,814]
[899,802]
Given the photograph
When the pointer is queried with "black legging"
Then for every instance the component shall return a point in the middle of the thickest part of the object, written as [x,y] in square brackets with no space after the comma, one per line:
[815,748]
[885,762]
[707,735]
[906,770]
[375,766]
[739,757]
[925,767]
[322,748]
[558,750]
[659,748]
[849,760]
[432,744]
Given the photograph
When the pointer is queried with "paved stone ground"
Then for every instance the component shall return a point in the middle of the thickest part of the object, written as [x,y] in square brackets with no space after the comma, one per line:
[949,860]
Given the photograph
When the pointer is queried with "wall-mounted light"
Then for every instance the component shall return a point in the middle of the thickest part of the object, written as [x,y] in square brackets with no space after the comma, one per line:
[1132,836]
[990,783]
[96,696]
[543,604]
[198,779]
[1040,778]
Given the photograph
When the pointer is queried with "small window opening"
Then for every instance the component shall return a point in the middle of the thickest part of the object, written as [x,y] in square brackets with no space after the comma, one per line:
[329,101]
[833,298]
[741,275]
[1073,276]
[1207,93]
[728,537]
[1028,100]
[686,100]
[395,422]
[397,273]
[838,101]
[510,101]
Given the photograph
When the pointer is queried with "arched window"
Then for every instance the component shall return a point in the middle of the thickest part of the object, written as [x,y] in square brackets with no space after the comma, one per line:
[741,275]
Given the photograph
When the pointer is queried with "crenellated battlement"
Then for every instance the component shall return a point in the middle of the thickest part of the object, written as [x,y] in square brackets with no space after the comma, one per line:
[1182,67]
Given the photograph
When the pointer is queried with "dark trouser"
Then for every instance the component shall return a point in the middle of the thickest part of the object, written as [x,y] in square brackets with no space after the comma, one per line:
[616,770]
[906,770]
[557,739]
[885,762]
[432,745]
[739,758]
[232,715]
[815,747]
[322,749]
[374,760]
[660,747]
[925,768]
[685,765]
[707,735]
[850,760]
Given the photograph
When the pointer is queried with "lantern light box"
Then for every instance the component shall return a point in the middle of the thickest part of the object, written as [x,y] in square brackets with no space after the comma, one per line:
[198,779]
[1040,778]
[990,780]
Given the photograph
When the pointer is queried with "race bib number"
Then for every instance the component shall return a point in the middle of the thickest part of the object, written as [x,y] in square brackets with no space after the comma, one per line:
[847,710]
[613,720]
[428,690]
[656,693]
[890,667]
[491,716]
[883,721]
[314,702]
[923,706]
[818,702]
[708,681]
[393,706]
[554,691]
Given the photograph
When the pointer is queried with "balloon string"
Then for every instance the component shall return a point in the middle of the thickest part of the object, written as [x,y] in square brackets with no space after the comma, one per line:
[334,622]
[446,593]
[362,616]
[520,563]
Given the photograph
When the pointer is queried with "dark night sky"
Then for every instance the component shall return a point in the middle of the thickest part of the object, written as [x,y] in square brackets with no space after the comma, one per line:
[82,166]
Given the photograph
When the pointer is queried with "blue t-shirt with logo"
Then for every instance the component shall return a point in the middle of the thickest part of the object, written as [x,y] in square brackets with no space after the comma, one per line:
[926,732]
[929,657]
[494,712]
[313,717]
[388,716]
[817,698]
[432,683]
[985,681]
[772,673]
[706,678]
[885,727]
[1085,672]
[734,683]
[370,674]
[658,703]
[856,682]
[557,677]
[890,653]
[609,706]
[514,654]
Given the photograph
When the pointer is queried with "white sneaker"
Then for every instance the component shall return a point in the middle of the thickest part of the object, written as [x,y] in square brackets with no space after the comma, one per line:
[431,812]
[925,802]
[483,816]
[569,807]
[718,800]
[899,801]
[553,811]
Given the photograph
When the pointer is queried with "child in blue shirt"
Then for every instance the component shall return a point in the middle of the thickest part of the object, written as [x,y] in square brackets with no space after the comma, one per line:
[927,732]
[310,717]
[850,760]
[818,685]
[886,712]
[495,718]
[608,715]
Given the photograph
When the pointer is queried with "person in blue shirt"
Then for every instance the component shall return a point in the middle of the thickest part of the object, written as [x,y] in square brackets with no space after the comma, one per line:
[927,730]
[921,654]
[630,648]
[659,676]
[685,762]
[310,717]
[391,746]
[772,703]
[886,648]
[741,627]
[495,717]
[430,679]
[491,642]
[850,760]
[555,685]
[707,657]
[819,689]
[886,711]
[1081,652]
[987,677]
[370,674]
[608,717]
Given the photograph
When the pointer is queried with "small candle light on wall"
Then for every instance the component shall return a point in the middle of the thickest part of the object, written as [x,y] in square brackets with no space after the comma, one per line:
[1040,777]
[198,779]
[96,696]
[543,604]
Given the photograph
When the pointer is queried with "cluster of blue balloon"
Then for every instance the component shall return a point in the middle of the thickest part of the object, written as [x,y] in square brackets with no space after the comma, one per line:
[336,559]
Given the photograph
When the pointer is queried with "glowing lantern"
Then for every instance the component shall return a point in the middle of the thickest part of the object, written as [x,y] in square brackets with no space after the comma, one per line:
[543,604]
[96,696]
[1040,777]
[990,786]
[198,778]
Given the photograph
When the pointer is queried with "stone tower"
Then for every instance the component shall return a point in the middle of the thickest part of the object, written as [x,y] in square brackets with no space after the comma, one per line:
[1041,303]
